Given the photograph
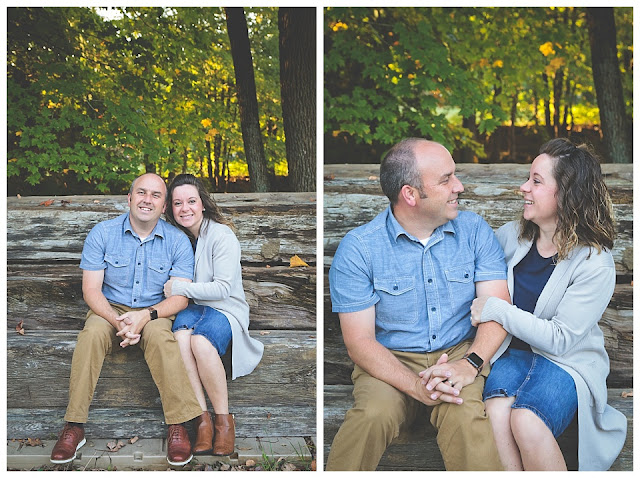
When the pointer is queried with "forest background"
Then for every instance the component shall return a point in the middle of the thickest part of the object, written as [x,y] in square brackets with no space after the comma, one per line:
[96,97]
[491,84]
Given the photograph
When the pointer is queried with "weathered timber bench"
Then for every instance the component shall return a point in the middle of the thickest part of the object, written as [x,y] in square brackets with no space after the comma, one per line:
[44,245]
[352,196]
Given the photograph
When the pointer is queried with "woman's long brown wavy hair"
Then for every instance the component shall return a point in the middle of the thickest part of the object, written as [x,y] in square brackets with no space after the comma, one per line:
[211,209]
[585,211]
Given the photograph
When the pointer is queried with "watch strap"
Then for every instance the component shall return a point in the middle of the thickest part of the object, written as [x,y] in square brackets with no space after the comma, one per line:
[153,313]
[475,360]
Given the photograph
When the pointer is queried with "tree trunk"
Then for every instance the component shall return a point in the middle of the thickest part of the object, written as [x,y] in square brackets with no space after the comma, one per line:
[616,127]
[547,106]
[297,27]
[558,84]
[512,128]
[466,155]
[217,147]
[247,101]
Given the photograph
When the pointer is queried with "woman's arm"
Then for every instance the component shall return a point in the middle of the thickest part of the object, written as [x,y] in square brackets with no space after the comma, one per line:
[580,308]
[225,260]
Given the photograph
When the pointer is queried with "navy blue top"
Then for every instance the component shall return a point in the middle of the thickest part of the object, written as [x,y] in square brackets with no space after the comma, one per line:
[530,276]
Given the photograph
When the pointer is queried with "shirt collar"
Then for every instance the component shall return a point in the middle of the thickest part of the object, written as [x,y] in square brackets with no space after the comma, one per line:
[396,230]
[157,231]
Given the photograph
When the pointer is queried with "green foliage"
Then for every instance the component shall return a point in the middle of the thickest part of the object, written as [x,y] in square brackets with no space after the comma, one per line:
[108,94]
[397,72]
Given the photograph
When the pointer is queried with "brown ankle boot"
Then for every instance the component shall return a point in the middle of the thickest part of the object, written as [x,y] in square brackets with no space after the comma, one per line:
[204,439]
[225,432]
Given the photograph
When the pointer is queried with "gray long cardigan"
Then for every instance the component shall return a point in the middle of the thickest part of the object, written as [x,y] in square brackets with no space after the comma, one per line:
[218,284]
[564,328]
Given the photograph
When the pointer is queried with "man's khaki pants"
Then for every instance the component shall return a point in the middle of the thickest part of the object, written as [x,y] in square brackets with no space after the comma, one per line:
[380,411]
[161,352]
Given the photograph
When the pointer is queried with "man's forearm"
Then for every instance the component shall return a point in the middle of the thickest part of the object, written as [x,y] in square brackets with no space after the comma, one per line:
[171,306]
[99,304]
[489,337]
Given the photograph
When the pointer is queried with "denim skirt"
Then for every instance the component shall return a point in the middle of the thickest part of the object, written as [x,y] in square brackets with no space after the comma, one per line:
[537,384]
[205,321]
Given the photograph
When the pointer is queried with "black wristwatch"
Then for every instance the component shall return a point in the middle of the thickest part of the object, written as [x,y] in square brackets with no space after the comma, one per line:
[475,360]
[153,312]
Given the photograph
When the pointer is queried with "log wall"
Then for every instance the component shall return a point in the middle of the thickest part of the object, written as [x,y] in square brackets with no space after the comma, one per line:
[352,196]
[44,291]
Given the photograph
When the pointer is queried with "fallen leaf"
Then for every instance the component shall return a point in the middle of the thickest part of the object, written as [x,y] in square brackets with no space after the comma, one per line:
[267,266]
[289,467]
[268,415]
[96,201]
[295,261]
[330,177]
[64,202]
[225,467]
[373,178]
[133,440]
[34,442]
[250,462]
[18,196]
[20,328]
[113,446]
[264,332]
[313,465]
[46,203]
[627,394]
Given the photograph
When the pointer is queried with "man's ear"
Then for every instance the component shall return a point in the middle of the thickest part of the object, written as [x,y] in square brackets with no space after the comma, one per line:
[407,195]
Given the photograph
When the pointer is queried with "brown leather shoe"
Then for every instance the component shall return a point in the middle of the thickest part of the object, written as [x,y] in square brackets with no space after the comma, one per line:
[204,439]
[70,440]
[225,435]
[178,445]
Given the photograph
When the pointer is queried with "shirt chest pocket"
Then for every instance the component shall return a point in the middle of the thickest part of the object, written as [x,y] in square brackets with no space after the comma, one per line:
[157,274]
[460,285]
[398,299]
[119,271]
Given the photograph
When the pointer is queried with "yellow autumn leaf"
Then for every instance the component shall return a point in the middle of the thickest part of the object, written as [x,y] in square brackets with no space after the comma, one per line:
[546,48]
[498,63]
[295,261]
[206,122]
[18,133]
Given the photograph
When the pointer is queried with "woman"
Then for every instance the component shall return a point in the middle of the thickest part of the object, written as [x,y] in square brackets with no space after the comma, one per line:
[217,315]
[561,276]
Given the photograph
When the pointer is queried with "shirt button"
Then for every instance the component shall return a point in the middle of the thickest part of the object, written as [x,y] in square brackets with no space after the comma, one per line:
[433,337]
[137,282]
[433,309]
[466,276]
[395,287]
[135,300]
[139,263]
[430,281]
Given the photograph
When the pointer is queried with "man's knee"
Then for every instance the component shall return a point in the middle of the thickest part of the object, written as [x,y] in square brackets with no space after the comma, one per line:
[97,330]
[157,331]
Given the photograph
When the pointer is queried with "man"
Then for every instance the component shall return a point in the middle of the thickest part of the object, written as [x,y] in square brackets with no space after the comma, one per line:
[125,263]
[402,286]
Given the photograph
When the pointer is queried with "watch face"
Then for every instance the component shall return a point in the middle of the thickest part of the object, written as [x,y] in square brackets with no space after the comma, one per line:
[475,360]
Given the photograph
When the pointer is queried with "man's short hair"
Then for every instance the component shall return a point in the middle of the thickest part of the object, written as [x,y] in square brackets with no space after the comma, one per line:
[399,167]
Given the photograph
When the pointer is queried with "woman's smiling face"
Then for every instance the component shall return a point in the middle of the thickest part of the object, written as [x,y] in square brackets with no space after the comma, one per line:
[187,207]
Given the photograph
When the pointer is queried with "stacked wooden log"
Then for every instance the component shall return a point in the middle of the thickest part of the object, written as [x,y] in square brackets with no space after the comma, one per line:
[44,295]
[352,196]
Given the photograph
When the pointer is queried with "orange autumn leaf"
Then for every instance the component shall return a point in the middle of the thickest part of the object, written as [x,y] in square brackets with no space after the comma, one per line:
[20,328]
[295,261]
[46,203]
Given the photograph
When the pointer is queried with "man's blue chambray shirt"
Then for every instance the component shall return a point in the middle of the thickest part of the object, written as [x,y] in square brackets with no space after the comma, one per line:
[422,294]
[135,271]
